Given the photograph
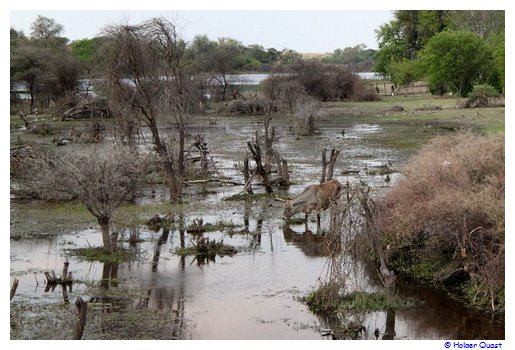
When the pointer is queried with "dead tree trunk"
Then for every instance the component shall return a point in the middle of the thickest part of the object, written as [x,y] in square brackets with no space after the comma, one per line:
[247,177]
[201,146]
[106,237]
[387,276]
[269,140]
[66,276]
[82,310]
[283,176]
[255,152]
[328,167]
[14,287]
[53,280]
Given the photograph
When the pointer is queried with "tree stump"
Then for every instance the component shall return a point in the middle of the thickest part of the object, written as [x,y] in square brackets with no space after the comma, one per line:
[82,310]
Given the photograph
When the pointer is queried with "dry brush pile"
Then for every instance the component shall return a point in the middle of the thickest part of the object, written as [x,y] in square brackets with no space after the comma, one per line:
[445,220]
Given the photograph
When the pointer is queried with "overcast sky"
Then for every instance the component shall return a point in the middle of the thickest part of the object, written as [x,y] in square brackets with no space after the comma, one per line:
[302,31]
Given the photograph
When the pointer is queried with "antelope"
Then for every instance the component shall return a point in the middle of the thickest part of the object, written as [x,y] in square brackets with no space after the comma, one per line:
[313,198]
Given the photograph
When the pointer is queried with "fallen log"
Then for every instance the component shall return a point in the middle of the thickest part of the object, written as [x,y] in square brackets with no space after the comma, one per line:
[86,110]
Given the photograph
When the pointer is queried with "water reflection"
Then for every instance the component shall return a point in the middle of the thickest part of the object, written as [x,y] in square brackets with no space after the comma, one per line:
[157,250]
[310,244]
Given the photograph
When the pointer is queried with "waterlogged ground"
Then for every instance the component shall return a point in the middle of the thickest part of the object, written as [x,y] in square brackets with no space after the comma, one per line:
[251,295]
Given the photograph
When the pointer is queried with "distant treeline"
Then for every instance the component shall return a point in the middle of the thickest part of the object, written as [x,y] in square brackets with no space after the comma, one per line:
[48,65]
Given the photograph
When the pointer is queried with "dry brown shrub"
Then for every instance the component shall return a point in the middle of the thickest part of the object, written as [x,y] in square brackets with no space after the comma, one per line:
[452,199]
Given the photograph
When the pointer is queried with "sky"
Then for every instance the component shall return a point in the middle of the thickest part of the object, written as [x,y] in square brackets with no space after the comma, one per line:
[303,31]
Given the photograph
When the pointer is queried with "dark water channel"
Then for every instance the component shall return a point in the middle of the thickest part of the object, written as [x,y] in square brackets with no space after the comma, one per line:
[253,294]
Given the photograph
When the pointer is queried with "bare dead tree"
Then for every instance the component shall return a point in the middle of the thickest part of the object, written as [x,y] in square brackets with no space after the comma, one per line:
[145,72]
[272,89]
[99,178]
[201,146]
[328,167]
[370,214]
[282,91]
[283,175]
[306,113]
[264,160]
[247,177]
[255,152]
[222,64]
[268,141]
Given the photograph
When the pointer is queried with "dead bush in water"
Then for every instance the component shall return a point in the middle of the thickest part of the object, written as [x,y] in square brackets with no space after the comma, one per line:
[344,290]
[205,249]
[327,82]
[342,271]
[101,179]
[255,106]
[448,213]
[306,116]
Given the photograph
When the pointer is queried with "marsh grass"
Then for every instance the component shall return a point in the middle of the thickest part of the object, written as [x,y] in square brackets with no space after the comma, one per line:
[101,255]
[205,250]
[295,221]
[318,301]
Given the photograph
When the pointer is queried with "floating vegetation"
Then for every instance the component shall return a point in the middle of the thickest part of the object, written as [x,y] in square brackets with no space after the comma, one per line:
[198,227]
[295,221]
[248,196]
[160,221]
[318,301]
[205,249]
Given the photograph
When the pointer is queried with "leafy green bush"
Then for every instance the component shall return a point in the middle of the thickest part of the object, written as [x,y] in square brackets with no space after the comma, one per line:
[480,96]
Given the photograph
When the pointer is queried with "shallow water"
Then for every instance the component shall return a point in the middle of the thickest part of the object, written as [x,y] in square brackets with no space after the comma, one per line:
[253,294]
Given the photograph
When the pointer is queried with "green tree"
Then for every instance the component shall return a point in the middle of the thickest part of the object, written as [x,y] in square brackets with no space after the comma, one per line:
[496,76]
[405,36]
[199,54]
[43,61]
[430,23]
[17,38]
[224,61]
[272,55]
[481,23]
[31,65]
[456,61]
[47,32]
[357,58]
[406,71]
[85,49]
[289,56]
[392,47]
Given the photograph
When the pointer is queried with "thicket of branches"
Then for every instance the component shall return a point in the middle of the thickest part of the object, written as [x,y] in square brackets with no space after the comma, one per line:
[322,82]
[101,178]
[448,213]
[148,83]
